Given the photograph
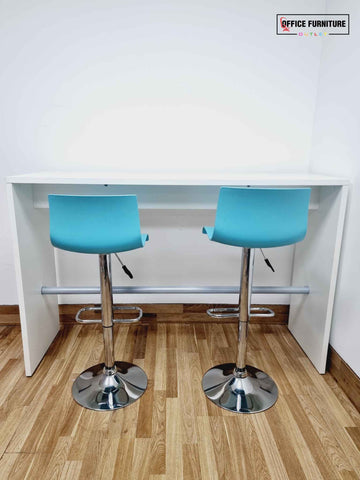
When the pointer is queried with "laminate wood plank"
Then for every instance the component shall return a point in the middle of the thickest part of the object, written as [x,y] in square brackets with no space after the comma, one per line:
[10,344]
[58,458]
[142,459]
[95,449]
[319,452]
[333,448]
[124,460]
[268,446]
[28,420]
[10,421]
[195,374]
[160,358]
[191,462]
[221,448]
[330,401]
[171,336]
[161,369]
[301,449]
[21,469]
[144,419]
[199,332]
[256,458]
[7,462]
[280,432]
[187,405]
[140,343]
[206,450]
[71,471]
[11,373]
[150,353]
[171,374]
[87,343]
[300,380]
[106,464]
[174,459]
[82,435]
[158,446]
[354,433]
[130,415]
[342,397]
[185,338]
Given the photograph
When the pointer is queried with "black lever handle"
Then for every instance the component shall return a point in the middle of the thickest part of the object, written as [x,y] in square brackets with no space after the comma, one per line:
[267,261]
[127,271]
[124,267]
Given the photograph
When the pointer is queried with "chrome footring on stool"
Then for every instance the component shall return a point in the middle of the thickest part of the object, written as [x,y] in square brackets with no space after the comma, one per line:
[252,391]
[115,320]
[233,312]
[100,388]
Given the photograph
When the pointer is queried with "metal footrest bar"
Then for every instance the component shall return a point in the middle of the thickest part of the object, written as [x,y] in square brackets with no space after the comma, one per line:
[128,320]
[48,290]
[115,320]
[84,320]
[267,312]
[228,312]
[233,312]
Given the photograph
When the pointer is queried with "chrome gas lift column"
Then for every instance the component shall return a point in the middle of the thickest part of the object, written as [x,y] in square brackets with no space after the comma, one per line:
[236,386]
[109,385]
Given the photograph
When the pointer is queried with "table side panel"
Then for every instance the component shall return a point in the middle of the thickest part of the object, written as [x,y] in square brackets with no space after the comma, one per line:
[316,261]
[35,266]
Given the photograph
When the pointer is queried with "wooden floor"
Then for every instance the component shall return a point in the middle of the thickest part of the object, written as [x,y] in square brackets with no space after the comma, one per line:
[173,432]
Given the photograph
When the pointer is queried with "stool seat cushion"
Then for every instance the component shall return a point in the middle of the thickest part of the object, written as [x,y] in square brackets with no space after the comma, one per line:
[95,223]
[260,217]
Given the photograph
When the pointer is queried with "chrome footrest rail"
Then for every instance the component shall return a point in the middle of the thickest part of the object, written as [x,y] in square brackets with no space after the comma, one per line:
[267,312]
[115,320]
[228,312]
[233,312]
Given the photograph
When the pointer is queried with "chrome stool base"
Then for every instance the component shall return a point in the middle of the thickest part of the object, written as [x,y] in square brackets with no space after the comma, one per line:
[100,388]
[253,393]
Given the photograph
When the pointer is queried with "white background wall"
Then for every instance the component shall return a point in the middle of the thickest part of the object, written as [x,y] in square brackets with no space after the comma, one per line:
[336,150]
[134,84]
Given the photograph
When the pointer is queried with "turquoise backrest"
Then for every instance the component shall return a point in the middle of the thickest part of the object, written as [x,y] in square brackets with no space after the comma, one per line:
[260,217]
[95,224]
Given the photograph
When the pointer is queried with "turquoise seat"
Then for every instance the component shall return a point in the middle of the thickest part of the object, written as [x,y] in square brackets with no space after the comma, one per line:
[260,217]
[95,224]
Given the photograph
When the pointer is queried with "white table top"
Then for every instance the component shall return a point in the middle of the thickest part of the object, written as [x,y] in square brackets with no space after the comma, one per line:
[171,178]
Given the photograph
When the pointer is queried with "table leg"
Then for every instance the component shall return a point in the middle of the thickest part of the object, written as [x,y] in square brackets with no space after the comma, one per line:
[316,262]
[35,266]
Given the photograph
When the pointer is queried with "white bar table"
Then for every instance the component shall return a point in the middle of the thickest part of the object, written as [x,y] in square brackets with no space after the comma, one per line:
[316,259]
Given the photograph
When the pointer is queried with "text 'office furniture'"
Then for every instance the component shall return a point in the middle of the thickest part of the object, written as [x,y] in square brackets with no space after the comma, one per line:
[101,225]
[251,218]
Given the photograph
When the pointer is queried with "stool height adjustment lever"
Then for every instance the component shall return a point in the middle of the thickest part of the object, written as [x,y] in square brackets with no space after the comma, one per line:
[124,267]
[267,261]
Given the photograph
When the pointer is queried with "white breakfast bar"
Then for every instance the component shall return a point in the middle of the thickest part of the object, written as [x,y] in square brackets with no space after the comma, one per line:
[316,259]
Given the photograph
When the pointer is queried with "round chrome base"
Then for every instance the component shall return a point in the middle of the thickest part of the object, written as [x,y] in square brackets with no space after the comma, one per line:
[254,393]
[100,388]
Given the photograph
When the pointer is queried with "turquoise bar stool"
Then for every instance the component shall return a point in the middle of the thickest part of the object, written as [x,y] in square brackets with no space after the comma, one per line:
[251,218]
[101,225]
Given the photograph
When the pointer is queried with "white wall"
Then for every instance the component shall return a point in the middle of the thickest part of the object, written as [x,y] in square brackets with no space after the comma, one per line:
[182,85]
[336,150]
